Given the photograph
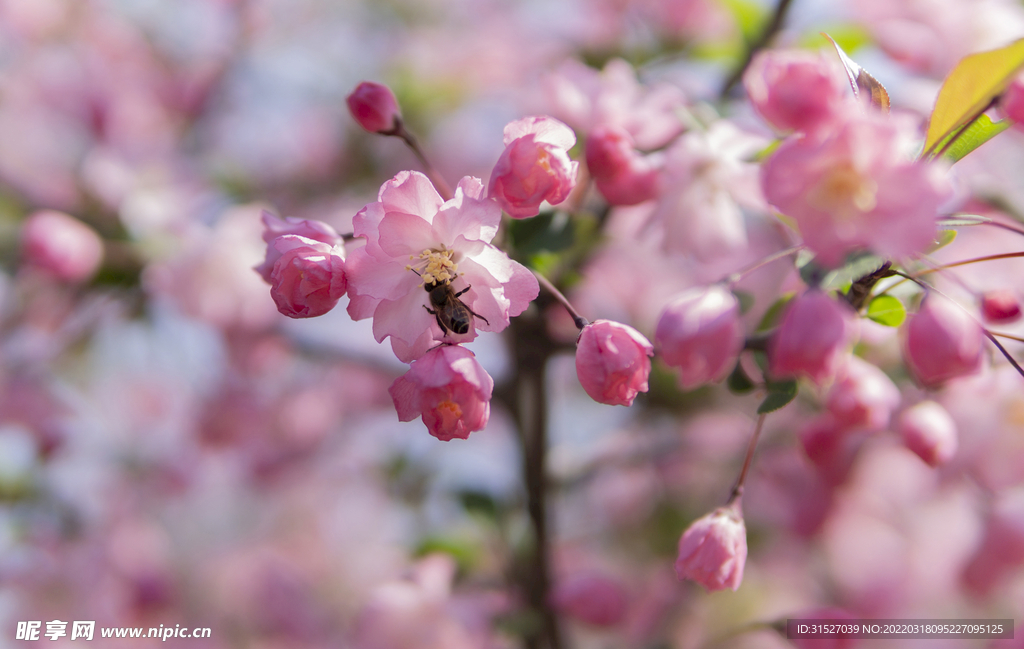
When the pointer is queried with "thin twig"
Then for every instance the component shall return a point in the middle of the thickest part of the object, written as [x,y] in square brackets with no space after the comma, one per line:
[771,29]
[737,491]
[442,186]
[733,278]
[550,288]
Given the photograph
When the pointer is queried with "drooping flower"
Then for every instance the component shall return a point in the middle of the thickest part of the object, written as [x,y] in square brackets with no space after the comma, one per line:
[855,186]
[308,277]
[535,166]
[374,107]
[700,333]
[414,239]
[941,342]
[813,338]
[449,389]
[612,362]
[928,430]
[1000,306]
[713,550]
[61,246]
[795,90]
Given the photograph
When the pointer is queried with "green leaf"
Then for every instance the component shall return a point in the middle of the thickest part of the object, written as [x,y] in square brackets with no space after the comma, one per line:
[969,90]
[979,132]
[774,313]
[945,238]
[779,394]
[887,310]
[738,382]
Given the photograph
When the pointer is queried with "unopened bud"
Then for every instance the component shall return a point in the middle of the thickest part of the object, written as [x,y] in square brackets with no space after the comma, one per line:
[374,106]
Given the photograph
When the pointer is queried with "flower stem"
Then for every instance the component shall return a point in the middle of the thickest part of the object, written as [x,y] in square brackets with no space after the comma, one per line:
[443,188]
[734,278]
[550,288]
[737,491]
[965,262]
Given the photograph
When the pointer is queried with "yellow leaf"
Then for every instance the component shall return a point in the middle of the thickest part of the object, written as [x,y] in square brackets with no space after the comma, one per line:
[969,90]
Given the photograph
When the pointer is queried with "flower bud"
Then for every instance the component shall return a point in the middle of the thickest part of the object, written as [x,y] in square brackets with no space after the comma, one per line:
[622,175]
[274,227]
[448,389]
[590,597]
[308,277]
[1000,306]
[535,166]
[613,362]
[813,338]
[928,430]
[794,90]
[862,397]
[61,246]
[713,550]
[374,107]
[941,342]
[700,333]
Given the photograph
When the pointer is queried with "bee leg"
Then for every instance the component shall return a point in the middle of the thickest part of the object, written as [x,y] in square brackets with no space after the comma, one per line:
[437,317]
[477,315]
[463,290]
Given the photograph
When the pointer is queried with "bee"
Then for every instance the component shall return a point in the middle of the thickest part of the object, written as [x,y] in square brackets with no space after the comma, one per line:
[451,313]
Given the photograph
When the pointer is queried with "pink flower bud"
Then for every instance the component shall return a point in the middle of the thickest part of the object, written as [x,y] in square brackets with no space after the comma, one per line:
[1000,306]
[929,431]
[448,389]
[374,106]
[274,227]
[941,342]
[862,397]
[812,339]
[591,597]
[308,277]
[794,90]
[713,550]
[535,166]
[61,246]
[622,175]
[700,332]
[612,362]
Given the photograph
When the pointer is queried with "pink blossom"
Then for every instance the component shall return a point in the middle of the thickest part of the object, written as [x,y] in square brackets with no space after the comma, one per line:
[448,389]
[308,277]
[584,99]
[612,362]
[706,183]
[813,339]
[928,430]
[857,187]
[447,242]
[700,333]
[1000,306]
[622,174]
[941,342]
[591,597]
[1012,101]
[374,107]
[862,397]
[274,227]
[713,550]
[535,166]
[61,246]
[795,90]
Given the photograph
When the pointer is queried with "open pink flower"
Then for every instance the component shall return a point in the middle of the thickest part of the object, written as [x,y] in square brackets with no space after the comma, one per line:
[448,389]
[308,277]
[612,362]
[412,238]
[713,550]
[813,339]
[535,166]
[700,332]
[855,186]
